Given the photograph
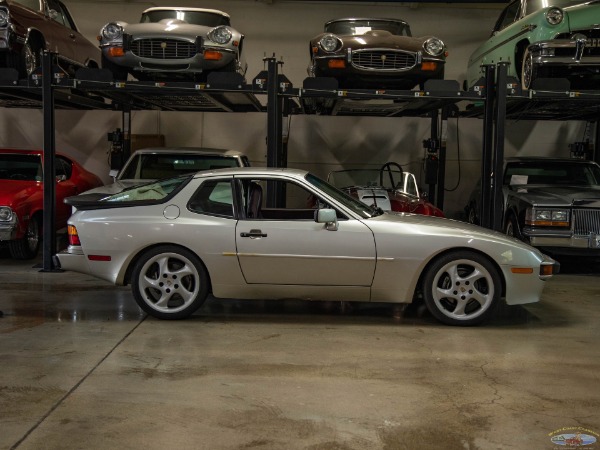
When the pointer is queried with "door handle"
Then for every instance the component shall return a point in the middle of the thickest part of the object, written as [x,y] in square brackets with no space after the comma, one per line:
[253,234]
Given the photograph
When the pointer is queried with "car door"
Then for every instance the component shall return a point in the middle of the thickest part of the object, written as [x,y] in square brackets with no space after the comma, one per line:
[60,33]
[64,188]
[283,245]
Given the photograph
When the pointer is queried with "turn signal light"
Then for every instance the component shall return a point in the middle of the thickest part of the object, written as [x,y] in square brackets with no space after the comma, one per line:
[522,270]
[116,51]
[546,270]
[212,55]
[429,66]
[73,236]
[336,64]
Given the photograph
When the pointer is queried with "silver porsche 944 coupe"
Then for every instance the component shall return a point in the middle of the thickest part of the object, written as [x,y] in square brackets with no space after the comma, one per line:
[177,240]
[171,42]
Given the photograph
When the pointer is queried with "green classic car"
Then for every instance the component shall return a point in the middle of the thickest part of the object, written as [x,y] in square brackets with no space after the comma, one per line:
[544,39]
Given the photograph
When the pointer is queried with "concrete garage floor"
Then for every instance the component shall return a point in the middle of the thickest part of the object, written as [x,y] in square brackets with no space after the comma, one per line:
[82,367]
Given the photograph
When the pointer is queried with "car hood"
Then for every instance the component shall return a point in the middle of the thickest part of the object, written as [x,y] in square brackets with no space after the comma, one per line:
[116,187]
[556,195]
[162,29]
[381,39]
[15,191]
[583,14]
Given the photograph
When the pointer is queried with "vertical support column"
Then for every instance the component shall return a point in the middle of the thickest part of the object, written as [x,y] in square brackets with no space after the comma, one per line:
[596,154]
[275,196]
[486,156]
[442,160]
[431,168]
[498,162]
[49,180]
[126,133]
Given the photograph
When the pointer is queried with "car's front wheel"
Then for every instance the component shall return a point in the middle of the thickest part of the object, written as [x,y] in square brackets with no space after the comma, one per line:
[169,282]
[528,71]
[462,288]
[28,246]
[119,73]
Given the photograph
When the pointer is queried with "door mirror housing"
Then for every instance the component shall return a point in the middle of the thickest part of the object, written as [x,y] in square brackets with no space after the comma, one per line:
[328,217]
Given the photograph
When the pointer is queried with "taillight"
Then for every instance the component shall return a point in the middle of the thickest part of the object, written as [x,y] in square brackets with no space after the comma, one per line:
[73,236]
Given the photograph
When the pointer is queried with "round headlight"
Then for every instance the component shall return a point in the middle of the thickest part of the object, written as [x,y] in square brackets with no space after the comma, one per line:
[220,35]
[330,43]
[3,18]
[6,214]
[554,16]
[112,31]
[433,46]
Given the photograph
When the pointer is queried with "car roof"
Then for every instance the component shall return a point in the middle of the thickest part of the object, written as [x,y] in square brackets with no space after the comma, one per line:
[254,171]
[547,159]
[189,150]
[186,8]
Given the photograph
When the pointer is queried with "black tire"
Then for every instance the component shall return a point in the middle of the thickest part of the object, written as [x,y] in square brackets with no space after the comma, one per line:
[462,288]
[119,73]
[511,227]
[529,71]
[169,282]
[29,246]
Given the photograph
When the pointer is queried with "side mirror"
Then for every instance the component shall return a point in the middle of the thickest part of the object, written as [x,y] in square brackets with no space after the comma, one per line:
[60,178]
[328,217]
[113,174]
[53,14]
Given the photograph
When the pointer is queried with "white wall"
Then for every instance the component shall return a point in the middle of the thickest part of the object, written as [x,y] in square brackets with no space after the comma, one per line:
[317,143]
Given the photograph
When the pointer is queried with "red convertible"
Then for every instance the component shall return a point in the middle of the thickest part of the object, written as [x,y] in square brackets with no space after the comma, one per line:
[389,188]
[21,197]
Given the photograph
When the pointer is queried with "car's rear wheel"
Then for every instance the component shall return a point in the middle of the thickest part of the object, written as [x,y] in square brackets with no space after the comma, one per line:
[28,246]
[169,282]
[462,288]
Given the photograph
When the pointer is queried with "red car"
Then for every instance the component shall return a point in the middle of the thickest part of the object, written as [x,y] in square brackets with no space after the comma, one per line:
[21,197]
[389,188]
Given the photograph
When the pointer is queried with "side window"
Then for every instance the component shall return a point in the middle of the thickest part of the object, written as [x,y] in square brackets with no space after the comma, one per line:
[214,197]
[63,167]
[509,15]
[296,202]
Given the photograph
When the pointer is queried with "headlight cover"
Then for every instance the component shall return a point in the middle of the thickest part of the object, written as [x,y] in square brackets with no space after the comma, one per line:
[547,217]
[112,31]
[330,43]
[4,18]
[554,16]
[6,214]
[433,46]
[220,34]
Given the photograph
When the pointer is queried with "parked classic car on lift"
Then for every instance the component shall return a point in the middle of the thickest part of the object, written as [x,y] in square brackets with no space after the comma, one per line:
[151,164]
[390,188]
[27,27]
[379,53]
[557,39]
[177,240]
[551,203]
[21,197]
[172,42]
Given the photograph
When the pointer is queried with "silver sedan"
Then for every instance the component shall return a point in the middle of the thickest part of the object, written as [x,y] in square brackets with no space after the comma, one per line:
[177,240]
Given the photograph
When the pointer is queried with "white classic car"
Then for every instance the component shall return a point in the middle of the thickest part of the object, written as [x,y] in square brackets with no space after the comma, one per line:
[171,43]
[175,241]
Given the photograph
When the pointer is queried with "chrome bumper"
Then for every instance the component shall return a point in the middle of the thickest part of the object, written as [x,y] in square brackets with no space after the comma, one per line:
[8,232]
[543,52]
[568,241]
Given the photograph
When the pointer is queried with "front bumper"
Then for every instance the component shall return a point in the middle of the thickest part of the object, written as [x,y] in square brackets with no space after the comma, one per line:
[566,52]
[564,240]
[8,232]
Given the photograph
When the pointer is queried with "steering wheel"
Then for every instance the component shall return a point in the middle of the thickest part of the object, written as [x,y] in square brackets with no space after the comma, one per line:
[388,166]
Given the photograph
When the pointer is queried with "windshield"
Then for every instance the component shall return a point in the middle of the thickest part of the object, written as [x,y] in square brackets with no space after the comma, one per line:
[20,167]
[150,192]
[373,178]
[155,166]
[362,26]
[205,18]
[552,172]
[349,202]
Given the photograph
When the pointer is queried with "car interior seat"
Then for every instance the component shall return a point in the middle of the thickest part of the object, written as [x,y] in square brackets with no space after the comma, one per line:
[255,194]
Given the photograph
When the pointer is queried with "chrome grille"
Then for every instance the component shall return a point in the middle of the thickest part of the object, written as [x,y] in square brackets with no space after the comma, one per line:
[586,221]
[163,48]
[383,59]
